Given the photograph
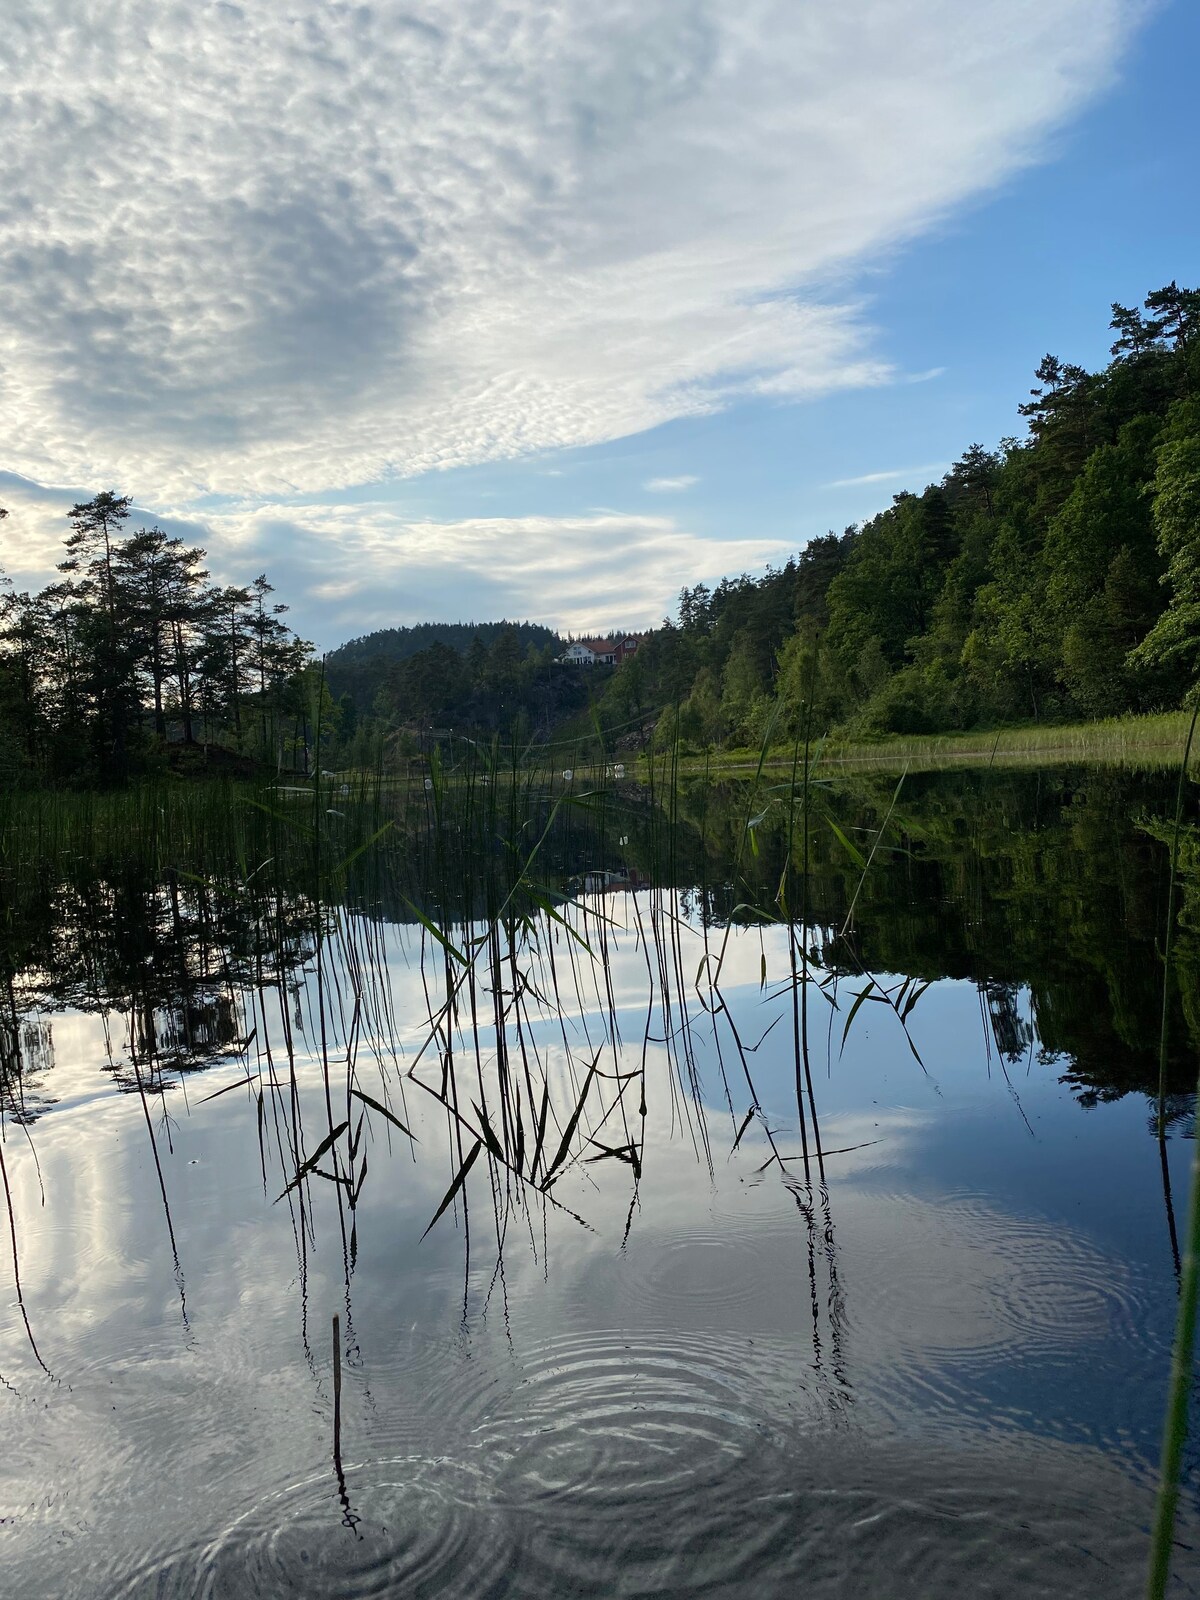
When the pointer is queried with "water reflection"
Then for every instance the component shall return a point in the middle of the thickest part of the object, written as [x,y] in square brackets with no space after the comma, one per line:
[602,1327]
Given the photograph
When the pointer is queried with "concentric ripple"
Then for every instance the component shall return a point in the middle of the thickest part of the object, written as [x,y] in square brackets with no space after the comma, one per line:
[659,1464]
[687,1465]
[962,1276]
[710,1267]
[413,1526]
[628,1460]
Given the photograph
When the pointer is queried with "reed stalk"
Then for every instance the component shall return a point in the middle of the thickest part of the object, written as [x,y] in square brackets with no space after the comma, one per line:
[1183,1350]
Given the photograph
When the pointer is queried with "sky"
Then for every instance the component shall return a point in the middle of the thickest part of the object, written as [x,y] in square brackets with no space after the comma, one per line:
[467,309]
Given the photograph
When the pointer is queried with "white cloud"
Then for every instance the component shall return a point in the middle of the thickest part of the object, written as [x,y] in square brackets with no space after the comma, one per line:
[372,567]
[670,485]
[918,476]
[303,245]
[348,569]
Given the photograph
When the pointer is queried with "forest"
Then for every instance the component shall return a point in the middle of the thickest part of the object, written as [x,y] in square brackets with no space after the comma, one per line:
[135,663]
[405,685]
[1055,577]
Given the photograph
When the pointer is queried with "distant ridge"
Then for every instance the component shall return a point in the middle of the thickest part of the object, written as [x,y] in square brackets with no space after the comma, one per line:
[359,667]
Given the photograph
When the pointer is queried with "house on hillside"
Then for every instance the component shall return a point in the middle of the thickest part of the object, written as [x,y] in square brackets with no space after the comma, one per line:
[580,654]
[600,652]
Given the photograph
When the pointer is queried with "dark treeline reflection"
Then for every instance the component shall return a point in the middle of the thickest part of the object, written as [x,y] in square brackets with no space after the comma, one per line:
[1045,889]
[1053,882]
[163,960]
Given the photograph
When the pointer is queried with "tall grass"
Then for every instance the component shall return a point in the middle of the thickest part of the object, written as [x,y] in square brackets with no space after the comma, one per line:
[1145,741]
[1183,1351]
[266,911]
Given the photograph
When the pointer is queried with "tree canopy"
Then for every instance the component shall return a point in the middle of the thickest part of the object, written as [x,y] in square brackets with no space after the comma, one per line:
[135,655]
[1055,577]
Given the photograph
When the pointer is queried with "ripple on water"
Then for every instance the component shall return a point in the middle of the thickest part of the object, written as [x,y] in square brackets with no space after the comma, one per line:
[671,1465]
[711,1267]
[630,1461]
[419,1526]
[964,1277]
[666,1464]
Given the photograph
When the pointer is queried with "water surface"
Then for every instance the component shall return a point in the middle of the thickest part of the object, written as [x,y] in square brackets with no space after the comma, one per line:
[647,1348]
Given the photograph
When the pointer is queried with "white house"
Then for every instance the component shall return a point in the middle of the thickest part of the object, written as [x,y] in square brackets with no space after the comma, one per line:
[600,652]
[579,654]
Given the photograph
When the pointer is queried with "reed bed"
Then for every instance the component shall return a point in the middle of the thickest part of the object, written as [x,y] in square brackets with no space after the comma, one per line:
[263,917]
[238,891]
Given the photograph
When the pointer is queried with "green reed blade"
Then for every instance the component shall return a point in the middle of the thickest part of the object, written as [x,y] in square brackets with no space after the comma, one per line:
[460,1177]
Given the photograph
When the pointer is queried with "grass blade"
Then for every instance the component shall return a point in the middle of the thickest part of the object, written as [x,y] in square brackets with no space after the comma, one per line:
[460,1177]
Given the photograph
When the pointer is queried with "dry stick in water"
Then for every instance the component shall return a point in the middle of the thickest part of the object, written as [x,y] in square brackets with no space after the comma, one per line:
[804,888]
[349,1519]
[337,1394]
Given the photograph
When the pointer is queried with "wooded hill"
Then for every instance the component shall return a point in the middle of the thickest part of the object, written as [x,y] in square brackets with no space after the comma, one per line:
[362,667]
[1055,577]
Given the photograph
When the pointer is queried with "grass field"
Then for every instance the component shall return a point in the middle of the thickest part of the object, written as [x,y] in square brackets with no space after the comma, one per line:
[1155,741]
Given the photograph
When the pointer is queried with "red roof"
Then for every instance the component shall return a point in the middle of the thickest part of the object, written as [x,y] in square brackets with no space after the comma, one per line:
[605,647]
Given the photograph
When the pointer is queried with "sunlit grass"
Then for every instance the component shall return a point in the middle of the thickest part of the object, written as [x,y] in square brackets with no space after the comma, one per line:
[1151,741]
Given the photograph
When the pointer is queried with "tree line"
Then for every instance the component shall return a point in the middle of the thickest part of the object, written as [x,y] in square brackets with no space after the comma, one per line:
[471,676]
[1055,577]
[135,653]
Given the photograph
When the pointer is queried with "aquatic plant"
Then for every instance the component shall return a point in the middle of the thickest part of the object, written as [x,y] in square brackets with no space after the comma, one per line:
[1183,1374]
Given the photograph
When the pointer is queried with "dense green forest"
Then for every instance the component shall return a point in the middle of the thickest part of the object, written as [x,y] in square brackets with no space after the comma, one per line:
[361,667]
[1055,577]
[134,662]
[483,678]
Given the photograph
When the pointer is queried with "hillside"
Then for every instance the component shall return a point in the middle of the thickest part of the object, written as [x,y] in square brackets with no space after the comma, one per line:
[360,667]
[1055,577]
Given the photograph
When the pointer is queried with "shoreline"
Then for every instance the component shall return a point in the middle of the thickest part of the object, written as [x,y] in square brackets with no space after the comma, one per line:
[1148,741]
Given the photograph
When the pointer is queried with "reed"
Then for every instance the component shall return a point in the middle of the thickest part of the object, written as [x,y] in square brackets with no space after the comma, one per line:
[1183,1350]
[268,907]
[1147,741]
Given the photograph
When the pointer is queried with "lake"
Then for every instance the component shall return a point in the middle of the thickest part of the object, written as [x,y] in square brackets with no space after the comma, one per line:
[507,1185]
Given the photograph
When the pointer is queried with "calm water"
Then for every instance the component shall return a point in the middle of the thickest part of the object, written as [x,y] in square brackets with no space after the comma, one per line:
[644,1350]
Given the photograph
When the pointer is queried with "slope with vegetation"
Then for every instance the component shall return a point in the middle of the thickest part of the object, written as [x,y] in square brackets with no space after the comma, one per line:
[1055,578]
[401,684]
[409,685]
[360,668]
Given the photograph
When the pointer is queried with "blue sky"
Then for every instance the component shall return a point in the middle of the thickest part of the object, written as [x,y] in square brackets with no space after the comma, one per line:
[503,310]
[1111,211]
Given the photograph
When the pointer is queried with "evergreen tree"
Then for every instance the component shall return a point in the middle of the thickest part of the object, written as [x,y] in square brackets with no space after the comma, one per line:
[1175,637]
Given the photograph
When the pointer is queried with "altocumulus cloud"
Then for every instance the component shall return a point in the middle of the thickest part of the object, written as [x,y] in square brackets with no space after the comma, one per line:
[297,245]
[279,249]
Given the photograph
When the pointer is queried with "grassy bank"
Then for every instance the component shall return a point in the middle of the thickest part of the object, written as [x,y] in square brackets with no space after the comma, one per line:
[1155,741]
